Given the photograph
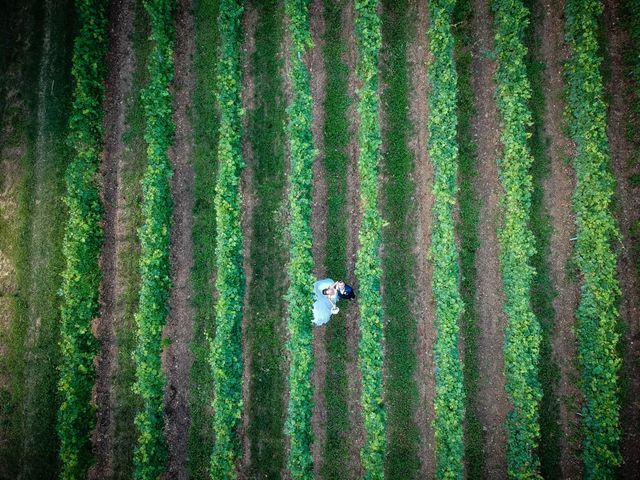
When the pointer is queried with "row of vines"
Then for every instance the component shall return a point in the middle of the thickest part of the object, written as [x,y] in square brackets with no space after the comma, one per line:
[443,152]
[597,314]
[368,270]
[226,347]
[150,454]
[300,294]
[522,333]
[82,243]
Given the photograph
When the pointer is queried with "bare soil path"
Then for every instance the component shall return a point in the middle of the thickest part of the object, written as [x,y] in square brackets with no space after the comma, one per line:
[177,356]
[492,400]
[315,63]
[628,213]
[423,308]
[354,375]
[248,201]
[120,64]
[558,189]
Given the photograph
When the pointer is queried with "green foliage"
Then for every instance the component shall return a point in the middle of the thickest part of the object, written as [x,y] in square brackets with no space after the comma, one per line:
[151,453]
[300,294]
[82,242]
[523,333]
[226,348]
[443,152]
[368,269]
[597,315]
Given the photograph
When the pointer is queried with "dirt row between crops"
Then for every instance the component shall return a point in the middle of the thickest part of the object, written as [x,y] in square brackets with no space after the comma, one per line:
[352,318]
[492,400]
[628,214]
[120,65]
[177,358]
[248,200]
[423,308]
[315,63]
[558,189]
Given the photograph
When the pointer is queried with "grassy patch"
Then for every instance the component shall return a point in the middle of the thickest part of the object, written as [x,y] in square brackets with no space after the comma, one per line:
[47,214]
[468,233]
[205,120]
[21,41]
[401,393]
[48,155]
[126,402]
[542,291]
[336,138]
[268,257]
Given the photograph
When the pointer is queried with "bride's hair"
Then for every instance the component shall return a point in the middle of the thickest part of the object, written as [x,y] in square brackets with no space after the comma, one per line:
[324,291]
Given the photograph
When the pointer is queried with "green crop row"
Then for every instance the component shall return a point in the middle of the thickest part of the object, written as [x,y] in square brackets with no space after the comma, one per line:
[300,293]
[225,354]
[82,243]
[597,315]
[368,270]
[443,151]
[522,333]
[151,452]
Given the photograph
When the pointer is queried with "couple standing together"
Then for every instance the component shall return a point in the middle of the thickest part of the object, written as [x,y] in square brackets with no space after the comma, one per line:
[328,293]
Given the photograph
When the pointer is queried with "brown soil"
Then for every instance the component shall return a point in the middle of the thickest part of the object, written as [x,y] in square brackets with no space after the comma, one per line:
[492,399]
[315,63]
[248,201]
[352,318]
[628,214]
[424,309]
[285,51]
[177,356]
[120,64]
[558,189]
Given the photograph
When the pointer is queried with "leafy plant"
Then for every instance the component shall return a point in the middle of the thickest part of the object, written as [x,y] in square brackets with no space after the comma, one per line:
[150,455]
[523,333]
[225,354]
[597,314]
[300,294]
[443,152]
[368,268]
[82,242]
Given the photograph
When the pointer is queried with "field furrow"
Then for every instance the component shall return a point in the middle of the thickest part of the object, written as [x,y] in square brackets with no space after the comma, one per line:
[316,63]
[492,403]
[625,155]
[205,122]
[120,64]
[179,328]
[468,235]
[397,284]
[421,304]
[266,309]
